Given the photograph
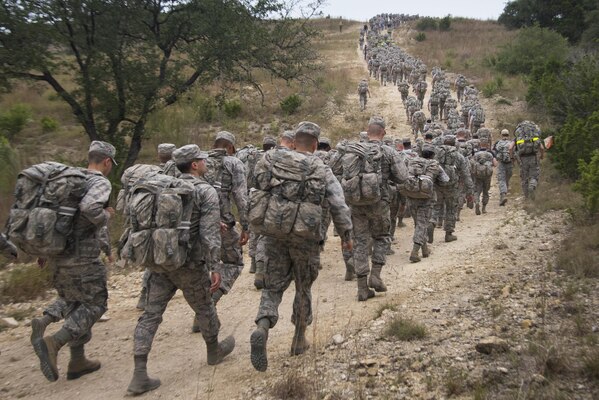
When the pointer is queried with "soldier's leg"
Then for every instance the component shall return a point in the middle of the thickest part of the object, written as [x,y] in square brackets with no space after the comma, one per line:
[524,175]
[534,174]
[232,262]
[361,250]
[478,188]
[260,262]
[379,226]
[501,178]
[450,211]
[509,170]
[143,296]
[252,243]
[486,186]
[394,211]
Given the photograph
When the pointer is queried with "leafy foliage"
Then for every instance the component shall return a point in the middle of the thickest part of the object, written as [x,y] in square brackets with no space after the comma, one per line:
[445,23]
[49,124]
[291,103]
[420,37]
[588,183]
[232,108]
[532,47]
[14,120]
[427,24]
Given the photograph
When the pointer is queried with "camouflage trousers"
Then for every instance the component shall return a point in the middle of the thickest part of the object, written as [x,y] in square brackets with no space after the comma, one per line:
[530,171]
[434,112]
[504,174]
[447,198]
[82,298]
[384,78]
[421,210]
[145,278]
[363,101]
[231,256]
[396,208]
[324,225]
[286,262]
[371,222]
[481,186]
[194,282]
[417,127]
[404,96]
[460,93]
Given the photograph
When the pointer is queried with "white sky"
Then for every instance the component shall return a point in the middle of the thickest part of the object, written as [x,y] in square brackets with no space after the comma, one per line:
[362,10]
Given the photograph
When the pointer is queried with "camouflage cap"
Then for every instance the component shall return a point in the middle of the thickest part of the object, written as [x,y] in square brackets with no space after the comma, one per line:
[505,132]
[406,140]
[269,140]
[309,128]
[228,136]
[377,120]
[188,153]
[428,147]
[103,148]
[324,140]
[449,139]
[289,135]
[166,149]
[364,135]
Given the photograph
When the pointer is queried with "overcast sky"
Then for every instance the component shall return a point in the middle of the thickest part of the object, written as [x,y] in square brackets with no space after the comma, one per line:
[365,9]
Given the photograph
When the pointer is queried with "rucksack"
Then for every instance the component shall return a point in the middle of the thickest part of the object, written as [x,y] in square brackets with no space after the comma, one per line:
[47,198]
[434,99]
[419,117]
[502,148]
[419,184]
[130,176]
[362,174]
[474,145]
[527,138]
[291,204]
[446,156]
[481,165]
[216,174]
[363,88]
[159,210]
[249,156]
[479,116]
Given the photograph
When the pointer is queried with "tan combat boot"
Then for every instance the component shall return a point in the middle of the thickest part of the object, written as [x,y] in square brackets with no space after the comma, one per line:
[258,345]
[364,293]
[216,351]
[425,251]
[79,365]
[47,349]
[141,382]
[414,254]
[375,281]
[502,199]
[299,345]
[484,209]
[350,272]
[450,237]
[477,209]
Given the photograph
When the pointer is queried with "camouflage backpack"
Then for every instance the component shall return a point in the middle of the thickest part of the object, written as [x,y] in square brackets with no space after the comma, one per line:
[481,164]
[527,138]
[363,87]
[484,134]
[249,156]
[503,151]
[419,184]
[290,204]
[129,178]
[434,99]
[461,81]
[453,119]
[362,174]
[159,211]
[170,168]
[474,145]
[447,158]
[419,117]
[47,198]
[217,175]
[479,115]
[463,148]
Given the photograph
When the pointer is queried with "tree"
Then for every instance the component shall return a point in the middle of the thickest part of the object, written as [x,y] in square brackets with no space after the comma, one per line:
[116,61]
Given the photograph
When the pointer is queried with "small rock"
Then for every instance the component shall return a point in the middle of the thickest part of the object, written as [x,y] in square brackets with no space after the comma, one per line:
[492,344]
[436,309]
[538,378]
[338,339]
[362,372]
[503,370]
[372,371]
[500,246]
[104,318]
[286,364]
[9,322]
[595,328]
[505,292]
[368,362]
[526,324]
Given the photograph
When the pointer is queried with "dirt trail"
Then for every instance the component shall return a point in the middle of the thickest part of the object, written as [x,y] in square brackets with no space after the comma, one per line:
[178,357]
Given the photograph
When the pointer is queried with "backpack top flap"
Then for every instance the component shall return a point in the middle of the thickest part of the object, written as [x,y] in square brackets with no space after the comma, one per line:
[297,177]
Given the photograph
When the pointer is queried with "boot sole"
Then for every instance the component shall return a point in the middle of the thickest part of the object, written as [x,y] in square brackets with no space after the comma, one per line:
[37,331]
[41,350]
[258,350]
[79,374]
[414,260]
[136,392]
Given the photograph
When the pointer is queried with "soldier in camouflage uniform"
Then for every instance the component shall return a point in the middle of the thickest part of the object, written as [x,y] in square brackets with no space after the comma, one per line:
[418,120]
[373,221]
[293,258]
[403,87]
[482,184]
[504,165]
[529,153]
[197,278]
[79,275]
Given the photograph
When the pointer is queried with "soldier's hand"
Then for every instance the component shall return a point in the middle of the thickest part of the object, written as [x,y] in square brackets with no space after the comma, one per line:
[349,245]
[223,227]
[41,262]
[110,211]
[245,236]
[215,280]
[110,259]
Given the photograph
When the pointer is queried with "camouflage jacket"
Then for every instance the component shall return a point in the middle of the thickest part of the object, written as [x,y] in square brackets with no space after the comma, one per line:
[205,223]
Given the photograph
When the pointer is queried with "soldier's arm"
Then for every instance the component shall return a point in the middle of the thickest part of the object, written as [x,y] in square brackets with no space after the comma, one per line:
[398,168]
[464,171]
[93,203]
[240,193]
[208,202]
[442,176]
[104,239]
[340,212]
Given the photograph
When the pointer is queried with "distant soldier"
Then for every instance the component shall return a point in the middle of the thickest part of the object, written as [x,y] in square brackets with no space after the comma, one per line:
[364,93]
[412,105]
[460,83]
[420,89]
[504,165]
[529,149]
[433,105]
[481,168]
[477,118]
[383,69]
[418,120]
[485,136]
[403,87]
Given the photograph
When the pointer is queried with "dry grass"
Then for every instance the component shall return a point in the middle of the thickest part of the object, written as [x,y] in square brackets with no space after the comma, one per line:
[25,282]
[405,329]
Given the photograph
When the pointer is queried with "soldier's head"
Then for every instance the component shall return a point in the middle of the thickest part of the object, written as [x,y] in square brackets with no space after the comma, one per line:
[165,151]
[268,143]
[306,136]
[505,133]
[407,143]
[449,140]
[287,139]
[190,160]
[428,152]
[324,144]
[225,140]
[428,137]
[100,157]
[376,128]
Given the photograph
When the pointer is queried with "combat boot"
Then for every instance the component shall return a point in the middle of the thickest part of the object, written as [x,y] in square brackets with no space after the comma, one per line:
[259,281]
[375,281]
[253,266]
[414,254]
[218,351]
[141,382]
[299,345]
[484,209]
[477,209]
[450,237]
[350,272]
[79,365]
[258,345]
[364,293]
[430,230]
[38,327]
[440,223]
[502,199]
[143,298]
[425,251]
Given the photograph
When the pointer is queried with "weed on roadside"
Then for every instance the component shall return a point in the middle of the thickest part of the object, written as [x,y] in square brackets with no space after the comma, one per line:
[405,329]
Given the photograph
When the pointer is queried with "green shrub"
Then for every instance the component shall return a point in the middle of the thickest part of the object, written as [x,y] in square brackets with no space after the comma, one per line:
[232,108]
[588,183]
[25,282]
[405,329]
[445,23]
[426,24]
[14,120]
[420,37]
[492,87]
[206,109]
[49,124]
[291,103]
[9,166]
[532,47]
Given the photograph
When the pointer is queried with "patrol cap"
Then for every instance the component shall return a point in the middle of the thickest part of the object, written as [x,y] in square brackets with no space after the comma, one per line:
[269,140]
[449,139]
[505,132]
[309,128]
[406,141]
[104,148]
[166,149]
[228,136]
[428,147]
[324,140]
[289,135]
[364,135]
[188,153]
[377,120]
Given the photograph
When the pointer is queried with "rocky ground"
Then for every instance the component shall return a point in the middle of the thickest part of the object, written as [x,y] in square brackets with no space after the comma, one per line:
[499,321]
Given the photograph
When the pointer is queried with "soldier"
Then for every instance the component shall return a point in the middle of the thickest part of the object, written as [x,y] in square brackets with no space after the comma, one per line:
[364,93]
[421,204]
[460,83]
[372,221]
[418,120]
[529,149]
[412,105]
[481,167]
[197,278]
[292,257]
[79,275]
[433,105]
[504,165]
[403,87]
[420,90]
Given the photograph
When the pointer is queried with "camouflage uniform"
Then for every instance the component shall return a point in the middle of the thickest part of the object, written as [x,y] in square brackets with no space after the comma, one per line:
[403,87]
[504,167]
[482,184]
